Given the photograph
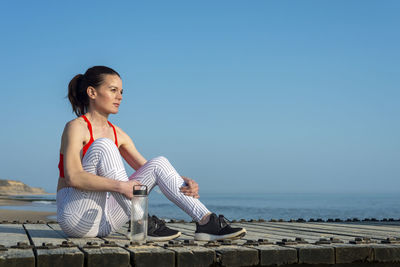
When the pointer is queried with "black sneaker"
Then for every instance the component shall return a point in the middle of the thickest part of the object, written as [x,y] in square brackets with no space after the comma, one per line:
[158,231]
[217,229]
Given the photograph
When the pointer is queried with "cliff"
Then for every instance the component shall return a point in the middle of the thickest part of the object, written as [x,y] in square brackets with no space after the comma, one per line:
[10,187]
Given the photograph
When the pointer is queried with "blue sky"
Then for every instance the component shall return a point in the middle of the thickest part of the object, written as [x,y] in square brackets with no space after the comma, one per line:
[242,96]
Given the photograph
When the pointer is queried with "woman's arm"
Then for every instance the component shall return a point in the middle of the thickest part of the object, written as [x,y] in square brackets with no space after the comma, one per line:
[136,160]
[75,176]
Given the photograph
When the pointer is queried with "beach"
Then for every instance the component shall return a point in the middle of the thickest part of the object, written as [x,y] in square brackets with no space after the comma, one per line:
[20,214]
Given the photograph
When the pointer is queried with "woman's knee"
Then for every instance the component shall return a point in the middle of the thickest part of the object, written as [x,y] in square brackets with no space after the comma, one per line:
[160,160]
[102,155]
[162,165]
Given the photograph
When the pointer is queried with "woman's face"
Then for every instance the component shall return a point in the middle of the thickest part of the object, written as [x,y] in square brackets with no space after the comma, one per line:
[108,96]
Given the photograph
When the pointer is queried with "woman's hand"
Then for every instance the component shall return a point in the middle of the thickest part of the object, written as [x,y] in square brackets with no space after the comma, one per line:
[192,188]
[127,188]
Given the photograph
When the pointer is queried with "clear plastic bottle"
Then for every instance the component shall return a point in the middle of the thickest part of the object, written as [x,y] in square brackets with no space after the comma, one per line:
[139,222]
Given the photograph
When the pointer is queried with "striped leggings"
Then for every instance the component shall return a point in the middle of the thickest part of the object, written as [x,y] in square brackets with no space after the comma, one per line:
[91,213]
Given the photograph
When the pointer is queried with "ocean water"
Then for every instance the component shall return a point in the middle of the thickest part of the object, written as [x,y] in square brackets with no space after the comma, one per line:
[266,206]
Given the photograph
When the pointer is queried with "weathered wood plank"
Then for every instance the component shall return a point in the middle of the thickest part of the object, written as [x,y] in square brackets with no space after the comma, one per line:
[309,230]
[272,255]
[312,254]
[96,255]
[276,234]
[379,228]
[146,255]
[232,255]
[349,253]
[386,253]
[42,233]
[343,227]
[193,256]
[45,240]
[14,257]
[10,235]
[290,229]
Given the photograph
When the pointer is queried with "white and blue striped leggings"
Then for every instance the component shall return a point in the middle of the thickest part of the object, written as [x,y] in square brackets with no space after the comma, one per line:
[92,213]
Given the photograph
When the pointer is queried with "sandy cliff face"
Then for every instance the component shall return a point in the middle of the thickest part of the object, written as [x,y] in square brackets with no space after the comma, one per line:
[10,187]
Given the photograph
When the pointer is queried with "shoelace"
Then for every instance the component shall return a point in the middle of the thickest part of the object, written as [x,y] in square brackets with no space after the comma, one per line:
[223,221]
[159,223]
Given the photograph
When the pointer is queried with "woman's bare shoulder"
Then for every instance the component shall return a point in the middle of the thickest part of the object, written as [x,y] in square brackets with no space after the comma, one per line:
[74,131]
[75,127]
[75,124]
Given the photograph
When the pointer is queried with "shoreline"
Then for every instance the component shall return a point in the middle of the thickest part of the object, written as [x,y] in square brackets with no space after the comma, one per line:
[22,215]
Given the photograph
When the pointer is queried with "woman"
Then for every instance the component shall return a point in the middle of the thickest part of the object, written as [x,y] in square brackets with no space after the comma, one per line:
[94,192]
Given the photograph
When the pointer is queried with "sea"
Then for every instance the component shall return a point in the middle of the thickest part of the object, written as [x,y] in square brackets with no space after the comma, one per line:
[266,206]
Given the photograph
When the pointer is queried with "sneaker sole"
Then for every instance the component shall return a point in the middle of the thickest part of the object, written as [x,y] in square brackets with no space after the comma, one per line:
[163,238]
[209,237]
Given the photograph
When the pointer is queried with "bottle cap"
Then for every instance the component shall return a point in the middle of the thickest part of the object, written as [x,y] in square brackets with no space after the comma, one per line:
[138,190]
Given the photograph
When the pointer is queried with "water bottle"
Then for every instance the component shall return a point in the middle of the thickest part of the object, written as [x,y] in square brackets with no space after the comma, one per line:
[139,222]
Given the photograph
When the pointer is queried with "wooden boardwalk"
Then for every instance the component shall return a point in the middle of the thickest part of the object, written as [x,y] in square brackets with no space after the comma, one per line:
[365,243]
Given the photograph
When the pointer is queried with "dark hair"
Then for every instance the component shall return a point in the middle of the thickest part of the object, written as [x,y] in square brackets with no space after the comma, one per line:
[77,87]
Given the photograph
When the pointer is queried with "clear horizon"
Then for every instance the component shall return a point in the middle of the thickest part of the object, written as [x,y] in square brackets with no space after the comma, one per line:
[256,96]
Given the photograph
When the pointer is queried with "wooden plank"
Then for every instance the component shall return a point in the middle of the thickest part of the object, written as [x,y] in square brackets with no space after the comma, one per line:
[98,256]
[326,231]
[146,255]
[349,253]
[386,253]
[273,255]
[346,228]
[46,255]
[366,253]
[384,229]
[276,234]
[195,256]
[283,228]
[313,254]
[10,235]
[378,223]
[42,233]
[351,228]
[14,257]
[106,256]
[232,255]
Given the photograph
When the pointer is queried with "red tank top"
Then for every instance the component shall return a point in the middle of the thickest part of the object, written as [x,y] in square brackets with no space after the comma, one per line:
[86,147]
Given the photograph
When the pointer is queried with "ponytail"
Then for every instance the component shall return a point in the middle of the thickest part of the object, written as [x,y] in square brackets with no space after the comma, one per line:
[77,87]
[77,95]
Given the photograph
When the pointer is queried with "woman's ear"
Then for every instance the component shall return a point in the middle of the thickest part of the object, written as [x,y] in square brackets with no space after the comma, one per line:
[91,92]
